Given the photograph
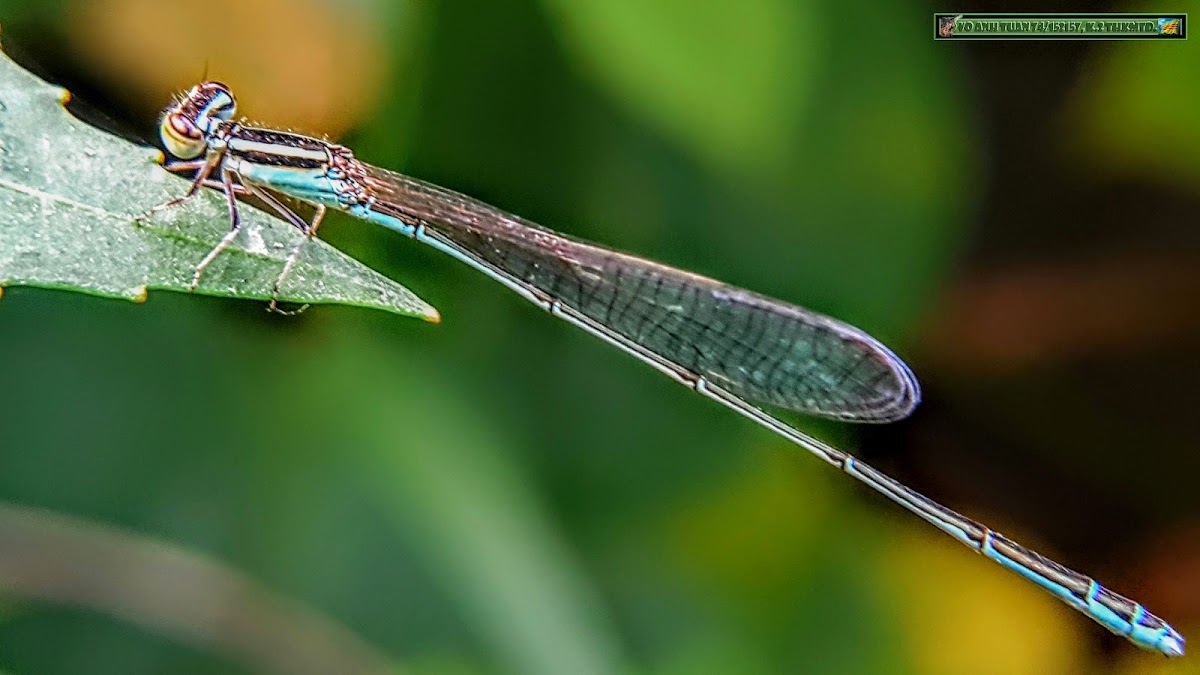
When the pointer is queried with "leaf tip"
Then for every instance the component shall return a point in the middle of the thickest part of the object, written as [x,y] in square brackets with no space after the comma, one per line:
[64,96]
[431,315]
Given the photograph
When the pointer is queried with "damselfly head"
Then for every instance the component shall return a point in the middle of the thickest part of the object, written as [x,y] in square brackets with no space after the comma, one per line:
[187,123]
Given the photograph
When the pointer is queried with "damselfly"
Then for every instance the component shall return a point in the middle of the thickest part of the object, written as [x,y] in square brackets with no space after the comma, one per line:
[734,346]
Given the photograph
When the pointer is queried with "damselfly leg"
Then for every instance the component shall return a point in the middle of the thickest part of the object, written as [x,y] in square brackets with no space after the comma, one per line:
[232,185]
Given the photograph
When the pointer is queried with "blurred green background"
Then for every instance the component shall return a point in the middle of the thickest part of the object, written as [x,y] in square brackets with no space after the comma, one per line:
[220,490]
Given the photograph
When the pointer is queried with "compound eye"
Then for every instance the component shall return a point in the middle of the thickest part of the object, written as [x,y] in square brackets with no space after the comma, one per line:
[180,136]
[221,104]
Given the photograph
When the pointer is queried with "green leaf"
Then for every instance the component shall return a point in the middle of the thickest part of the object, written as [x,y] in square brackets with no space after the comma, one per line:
[723,79]
[71,196]
[1133,115]
[463,503]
